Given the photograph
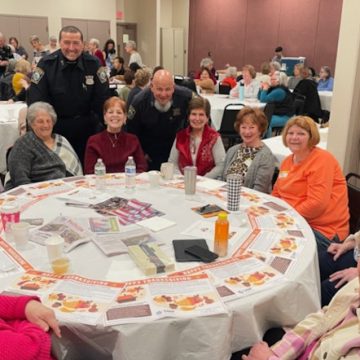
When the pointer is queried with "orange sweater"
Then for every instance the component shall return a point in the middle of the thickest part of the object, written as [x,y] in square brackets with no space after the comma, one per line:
[316,188]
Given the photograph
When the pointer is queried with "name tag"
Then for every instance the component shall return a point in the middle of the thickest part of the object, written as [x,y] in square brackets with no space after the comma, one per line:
[283,174]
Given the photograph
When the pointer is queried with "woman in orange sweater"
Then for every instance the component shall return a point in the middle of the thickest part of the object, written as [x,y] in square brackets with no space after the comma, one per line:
[311,181]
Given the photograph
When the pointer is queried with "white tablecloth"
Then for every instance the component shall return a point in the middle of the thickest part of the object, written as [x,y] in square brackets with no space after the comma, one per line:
[325,99]
[280,151]
[218,103]
[9,115]
[200,338]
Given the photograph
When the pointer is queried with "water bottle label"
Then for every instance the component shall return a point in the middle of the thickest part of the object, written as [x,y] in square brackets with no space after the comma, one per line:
[130,170]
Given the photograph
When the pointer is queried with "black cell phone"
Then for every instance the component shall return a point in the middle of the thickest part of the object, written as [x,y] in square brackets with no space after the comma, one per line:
[180,246]
[202,254]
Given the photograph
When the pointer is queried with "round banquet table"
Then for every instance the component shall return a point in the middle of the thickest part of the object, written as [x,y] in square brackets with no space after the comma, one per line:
[218,103]
[9,129]
[207,337]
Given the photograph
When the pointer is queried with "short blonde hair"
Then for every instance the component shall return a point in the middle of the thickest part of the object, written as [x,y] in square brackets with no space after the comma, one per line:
[250,69]
[306,123]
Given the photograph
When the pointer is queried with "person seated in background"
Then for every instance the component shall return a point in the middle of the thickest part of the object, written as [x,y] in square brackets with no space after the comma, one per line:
[338,266]
[326,82]
[330,333]
[20,50]
[6,88]
[311,181]
[129,78]
[294,80]
[157,114]
[280,100]
[252,159]
[274,66]
[52,46]
[40,155]
[199,145]
[39,50]
[21,79]
[25,326]
[117,71]
[209,64]
[264,73]
[135,57]
[230,77]
[141,81]
[308,88]
[113,145]
[205,82]
[251,85]
[109,54]
[94,48]
[278,55]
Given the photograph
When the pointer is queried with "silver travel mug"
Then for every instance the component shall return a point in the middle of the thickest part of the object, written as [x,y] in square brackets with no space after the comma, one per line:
[190,179]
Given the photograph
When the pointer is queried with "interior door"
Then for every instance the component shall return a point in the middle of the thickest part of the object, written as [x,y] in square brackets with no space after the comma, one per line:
[179,50]
[125,32]
[99,29]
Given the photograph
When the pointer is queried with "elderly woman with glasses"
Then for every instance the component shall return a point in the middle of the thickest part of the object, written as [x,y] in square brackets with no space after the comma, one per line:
[40,155]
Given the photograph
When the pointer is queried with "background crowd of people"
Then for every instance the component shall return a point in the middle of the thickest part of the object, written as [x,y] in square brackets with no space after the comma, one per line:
[73,120]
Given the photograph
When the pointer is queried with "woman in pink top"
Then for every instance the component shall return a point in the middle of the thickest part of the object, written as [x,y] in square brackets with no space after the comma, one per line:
[24,326]
[312,182]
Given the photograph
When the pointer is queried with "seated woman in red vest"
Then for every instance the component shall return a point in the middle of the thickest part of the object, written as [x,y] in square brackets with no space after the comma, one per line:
[199,144]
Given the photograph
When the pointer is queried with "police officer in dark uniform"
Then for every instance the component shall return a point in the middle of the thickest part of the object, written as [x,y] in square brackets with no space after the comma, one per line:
[157,114]
[75,85]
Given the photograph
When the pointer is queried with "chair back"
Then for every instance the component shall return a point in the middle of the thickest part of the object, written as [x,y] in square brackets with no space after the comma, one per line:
[227,130]
[354,201]
[224,89]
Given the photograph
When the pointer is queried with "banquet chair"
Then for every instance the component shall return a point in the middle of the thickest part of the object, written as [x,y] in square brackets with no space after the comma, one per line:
[353,181]
[224,89]
[227,130]
[178,79]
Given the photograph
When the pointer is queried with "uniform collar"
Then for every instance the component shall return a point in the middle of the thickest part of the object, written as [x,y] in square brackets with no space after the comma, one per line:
[65,62]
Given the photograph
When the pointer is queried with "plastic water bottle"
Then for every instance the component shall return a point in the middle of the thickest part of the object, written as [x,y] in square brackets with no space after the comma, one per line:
[130,173]
[100,172]
[241,90]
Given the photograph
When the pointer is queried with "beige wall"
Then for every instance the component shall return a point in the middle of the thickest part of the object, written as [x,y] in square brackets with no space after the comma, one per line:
[344,132]
[150,16]
[55,10]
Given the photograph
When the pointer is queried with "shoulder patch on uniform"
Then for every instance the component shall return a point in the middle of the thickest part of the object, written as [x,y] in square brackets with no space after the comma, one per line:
[37,75]
[102,75]
[131,112]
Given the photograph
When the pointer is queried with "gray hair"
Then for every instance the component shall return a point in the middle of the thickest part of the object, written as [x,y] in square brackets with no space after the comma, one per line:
[34,38]
[232,71]
[95,42]
[205,62]
[275,65]
[52,38]
[36,107]
[132,44]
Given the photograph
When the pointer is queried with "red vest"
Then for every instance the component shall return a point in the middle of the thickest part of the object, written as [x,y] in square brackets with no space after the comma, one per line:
[204,159]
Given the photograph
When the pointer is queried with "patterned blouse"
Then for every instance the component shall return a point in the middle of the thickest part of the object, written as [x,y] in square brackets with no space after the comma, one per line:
[245,155]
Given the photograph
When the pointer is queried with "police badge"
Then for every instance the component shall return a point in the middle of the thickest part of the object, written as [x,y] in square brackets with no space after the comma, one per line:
[37,75]
[102,75]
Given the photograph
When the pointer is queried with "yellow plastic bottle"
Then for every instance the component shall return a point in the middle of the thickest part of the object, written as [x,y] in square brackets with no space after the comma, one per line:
[221,237]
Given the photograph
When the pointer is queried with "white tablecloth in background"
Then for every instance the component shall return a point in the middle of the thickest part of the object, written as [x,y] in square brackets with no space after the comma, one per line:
[280,151]
[200,338]
[325,99]
[218,103]
[9,115]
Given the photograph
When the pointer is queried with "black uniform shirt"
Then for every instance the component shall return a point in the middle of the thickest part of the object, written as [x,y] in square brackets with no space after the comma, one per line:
[74,88]
[156,130]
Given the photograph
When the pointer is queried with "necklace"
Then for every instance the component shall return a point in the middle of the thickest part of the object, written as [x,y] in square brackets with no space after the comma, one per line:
[113,143]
